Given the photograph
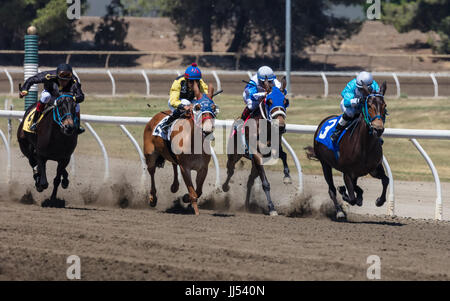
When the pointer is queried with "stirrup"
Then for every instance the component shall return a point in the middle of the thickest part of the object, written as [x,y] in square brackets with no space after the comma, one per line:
[33,126]
[80,130]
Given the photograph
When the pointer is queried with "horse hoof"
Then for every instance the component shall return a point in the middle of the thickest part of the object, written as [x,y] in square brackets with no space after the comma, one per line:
[273,213]
[152,200]
[39,188]
[359,202]
[225,187]
[186,198]
[287,180]
[340,216]
[45,186]
[380,202]
[65,184]
[174,188]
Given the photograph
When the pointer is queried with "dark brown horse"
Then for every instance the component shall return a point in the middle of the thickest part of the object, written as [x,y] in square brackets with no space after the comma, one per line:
[360,151]
[181,150]
[256,155]
[55,139]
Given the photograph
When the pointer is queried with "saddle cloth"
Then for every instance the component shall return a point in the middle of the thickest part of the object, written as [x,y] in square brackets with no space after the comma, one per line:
[28,120]
[325,133]
[158,131]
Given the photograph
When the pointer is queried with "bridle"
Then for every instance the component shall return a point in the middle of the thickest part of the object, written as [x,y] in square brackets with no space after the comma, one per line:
[367,118]
[57,116]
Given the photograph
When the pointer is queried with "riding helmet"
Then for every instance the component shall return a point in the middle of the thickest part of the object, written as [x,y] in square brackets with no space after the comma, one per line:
[64,71]
[193,72]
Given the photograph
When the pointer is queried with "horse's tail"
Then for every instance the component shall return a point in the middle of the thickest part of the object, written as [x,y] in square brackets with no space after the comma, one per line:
[310,153]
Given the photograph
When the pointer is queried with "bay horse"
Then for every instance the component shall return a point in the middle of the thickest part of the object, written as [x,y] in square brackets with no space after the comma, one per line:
[55,139]
[181,150]
[275,100]
[360,150]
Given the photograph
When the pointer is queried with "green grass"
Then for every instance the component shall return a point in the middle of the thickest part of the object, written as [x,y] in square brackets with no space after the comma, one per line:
[405,161]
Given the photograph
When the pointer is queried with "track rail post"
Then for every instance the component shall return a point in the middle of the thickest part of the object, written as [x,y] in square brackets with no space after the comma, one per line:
[102,147]
[297,164]
[147,82]
[113,82]
[391,196]
[138,149]
[397,84]
[438,211]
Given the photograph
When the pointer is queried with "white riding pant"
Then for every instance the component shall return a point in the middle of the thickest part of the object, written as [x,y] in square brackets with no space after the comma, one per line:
[46,97]
[349,111]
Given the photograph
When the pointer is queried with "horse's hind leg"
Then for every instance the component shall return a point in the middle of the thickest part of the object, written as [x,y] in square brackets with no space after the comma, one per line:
[359,192]
[340,214]
[199,180]
[175,185]
[287,177]
[380,174]
[231,162]
[251,180]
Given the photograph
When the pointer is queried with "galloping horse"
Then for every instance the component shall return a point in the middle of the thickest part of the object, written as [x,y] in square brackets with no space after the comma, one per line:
[276,103]
[182,150]
[55,139]
[360,152]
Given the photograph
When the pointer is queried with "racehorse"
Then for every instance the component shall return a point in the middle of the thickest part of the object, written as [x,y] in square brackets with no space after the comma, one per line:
[276,104]
[360,152]
[181,150]
[55,139]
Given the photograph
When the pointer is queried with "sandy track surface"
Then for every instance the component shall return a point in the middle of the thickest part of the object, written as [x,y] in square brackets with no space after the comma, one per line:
[223,243]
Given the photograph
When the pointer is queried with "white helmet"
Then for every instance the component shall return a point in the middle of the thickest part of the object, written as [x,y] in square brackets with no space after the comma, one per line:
[364,78]
[266,71]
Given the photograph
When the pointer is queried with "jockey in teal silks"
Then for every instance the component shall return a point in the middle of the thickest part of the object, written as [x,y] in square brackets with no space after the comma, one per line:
[352,97]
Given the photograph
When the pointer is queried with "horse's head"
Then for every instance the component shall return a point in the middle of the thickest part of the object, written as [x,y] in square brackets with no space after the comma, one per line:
[276,104]
[64,113]
[205,110]
[374,109]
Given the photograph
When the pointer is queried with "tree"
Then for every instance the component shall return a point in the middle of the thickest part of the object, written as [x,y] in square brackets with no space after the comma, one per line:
[257,22]
[424,15]
[55,30]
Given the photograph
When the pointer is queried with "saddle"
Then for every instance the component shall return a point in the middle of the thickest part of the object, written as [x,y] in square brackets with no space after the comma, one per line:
[28,120]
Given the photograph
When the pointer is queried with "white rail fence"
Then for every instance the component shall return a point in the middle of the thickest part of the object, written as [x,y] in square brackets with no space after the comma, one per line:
[216,74]
[411,134]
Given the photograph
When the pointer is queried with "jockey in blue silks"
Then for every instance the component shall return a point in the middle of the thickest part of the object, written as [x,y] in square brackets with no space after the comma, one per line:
[254,91]
[352,97]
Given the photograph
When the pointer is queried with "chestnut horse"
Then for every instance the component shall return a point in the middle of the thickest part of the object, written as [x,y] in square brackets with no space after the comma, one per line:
[361,152]
[277,114]
[181,151]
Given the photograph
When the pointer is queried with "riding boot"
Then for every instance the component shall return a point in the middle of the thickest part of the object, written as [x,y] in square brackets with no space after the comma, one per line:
[37,115]
[340,127]
[175,115]
[80,129]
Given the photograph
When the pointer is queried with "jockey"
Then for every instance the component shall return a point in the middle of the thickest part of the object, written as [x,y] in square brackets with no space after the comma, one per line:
[55,82]
[254,91]
[182,93]
[352,96]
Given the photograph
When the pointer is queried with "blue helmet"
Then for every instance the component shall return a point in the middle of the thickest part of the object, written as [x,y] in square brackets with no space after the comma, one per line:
[193,72]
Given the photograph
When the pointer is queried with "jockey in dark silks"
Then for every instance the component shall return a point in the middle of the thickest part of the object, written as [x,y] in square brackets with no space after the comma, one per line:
[182,93]
[56,82]
[351,100]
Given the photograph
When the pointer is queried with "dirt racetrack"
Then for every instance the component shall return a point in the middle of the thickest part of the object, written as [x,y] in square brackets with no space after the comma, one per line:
[223,243]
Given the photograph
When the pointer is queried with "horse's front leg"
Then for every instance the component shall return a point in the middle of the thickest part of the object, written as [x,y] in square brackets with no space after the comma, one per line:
[186,173]
[175,185]
[380,174]
[251,180]
[348,180]
[57,180]
[287,177]
[200,179]
[257,161]
[41,181]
